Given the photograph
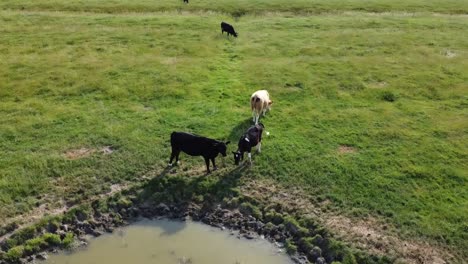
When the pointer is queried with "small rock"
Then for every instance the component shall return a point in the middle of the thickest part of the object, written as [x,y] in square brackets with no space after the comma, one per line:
[249,235]
[83,243]
[320,260]
[52,228]
[42,256]
[109,229]
[81,216]
[162,207]
[64,228]
[299,259]
[279,244]
[97,233]
[315,253]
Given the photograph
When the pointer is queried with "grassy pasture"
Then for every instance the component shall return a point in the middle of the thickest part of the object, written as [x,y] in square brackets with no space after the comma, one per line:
[370,111]
[241,7]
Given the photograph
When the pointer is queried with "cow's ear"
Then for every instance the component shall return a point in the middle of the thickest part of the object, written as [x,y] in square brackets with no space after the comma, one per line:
[227,142]
[233,152]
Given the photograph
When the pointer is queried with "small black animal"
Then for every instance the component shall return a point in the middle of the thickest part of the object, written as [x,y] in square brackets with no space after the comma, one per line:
[251,138]
[195,145]
[186,1]
[228,28]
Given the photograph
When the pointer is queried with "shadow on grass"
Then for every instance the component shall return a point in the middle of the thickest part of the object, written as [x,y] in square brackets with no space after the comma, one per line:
[239,130]
[181,191]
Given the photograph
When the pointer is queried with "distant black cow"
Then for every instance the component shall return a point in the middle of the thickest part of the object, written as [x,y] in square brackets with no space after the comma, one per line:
[251,138]
[186,1]
[196,146]
[228,28]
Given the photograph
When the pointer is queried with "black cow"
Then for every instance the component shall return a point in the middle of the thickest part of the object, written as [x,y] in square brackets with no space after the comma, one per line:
[186,1]
[251,138]
[196,146]
[228,28]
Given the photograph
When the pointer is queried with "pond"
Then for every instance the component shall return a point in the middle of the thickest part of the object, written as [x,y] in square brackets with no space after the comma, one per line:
[172,242]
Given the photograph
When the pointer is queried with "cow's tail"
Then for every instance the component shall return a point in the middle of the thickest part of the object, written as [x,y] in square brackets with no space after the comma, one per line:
[254,100]
[173,137]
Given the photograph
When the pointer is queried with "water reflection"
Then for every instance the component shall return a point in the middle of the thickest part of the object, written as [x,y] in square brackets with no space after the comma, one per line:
[172,242]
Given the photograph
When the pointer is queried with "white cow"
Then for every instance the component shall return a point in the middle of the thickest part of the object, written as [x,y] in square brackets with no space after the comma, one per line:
[260,102]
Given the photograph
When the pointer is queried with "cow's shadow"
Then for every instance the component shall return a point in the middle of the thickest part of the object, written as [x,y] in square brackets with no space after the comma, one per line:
[239,130]
[226,181]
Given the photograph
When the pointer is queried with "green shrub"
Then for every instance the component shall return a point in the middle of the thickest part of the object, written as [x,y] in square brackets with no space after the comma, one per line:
[11,242]
[291,248]
[305,243]
[388,96]
[318,240]
[68,240]
[247,208]
[52,239]
[25,234]
[14,254]
[293,227]
[35,245]
[124,203]
[337,250]
[349,258]
[274,217]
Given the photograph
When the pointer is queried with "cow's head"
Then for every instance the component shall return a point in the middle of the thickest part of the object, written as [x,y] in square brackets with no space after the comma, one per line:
[222,147]
[235,34]
[238,156]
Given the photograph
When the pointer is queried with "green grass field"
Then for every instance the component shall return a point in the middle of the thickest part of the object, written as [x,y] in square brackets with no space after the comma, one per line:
[390,89]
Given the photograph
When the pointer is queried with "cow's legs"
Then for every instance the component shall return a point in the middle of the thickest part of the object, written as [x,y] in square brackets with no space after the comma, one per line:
[170,160]
[259,147]
[250,157]
[207,161]
[174,154]
[214,165]
[177,156]
[256,116]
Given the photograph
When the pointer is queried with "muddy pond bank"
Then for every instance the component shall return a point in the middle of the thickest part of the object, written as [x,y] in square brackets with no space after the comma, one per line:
[173,242]
[215,201]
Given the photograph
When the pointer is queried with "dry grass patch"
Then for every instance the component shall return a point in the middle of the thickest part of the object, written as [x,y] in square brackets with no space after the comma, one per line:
[80,153]
[344,149]
[366,233]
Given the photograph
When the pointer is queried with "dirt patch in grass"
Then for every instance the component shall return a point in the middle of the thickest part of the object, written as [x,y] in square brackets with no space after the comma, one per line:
[74,154]
[80,153]
[449,54]
[377,85]
[53,209]
[368,234]
[344,149]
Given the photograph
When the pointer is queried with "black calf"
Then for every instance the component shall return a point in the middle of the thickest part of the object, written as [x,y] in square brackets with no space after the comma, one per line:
[195,145]
[249,139]
[228,28]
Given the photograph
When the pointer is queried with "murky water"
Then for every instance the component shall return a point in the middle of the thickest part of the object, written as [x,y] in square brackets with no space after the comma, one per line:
[171,242]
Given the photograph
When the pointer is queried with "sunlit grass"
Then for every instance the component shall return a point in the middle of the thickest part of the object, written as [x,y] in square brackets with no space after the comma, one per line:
[391,87]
